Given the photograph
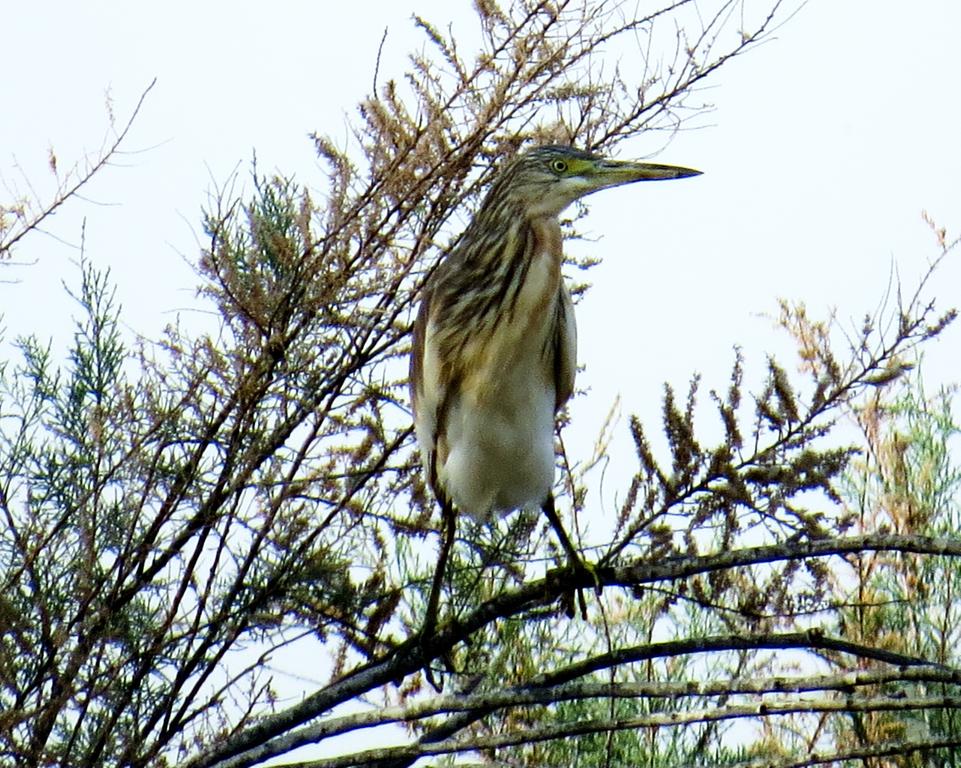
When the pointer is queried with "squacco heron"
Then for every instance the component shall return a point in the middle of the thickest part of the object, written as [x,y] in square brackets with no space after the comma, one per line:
[494,348]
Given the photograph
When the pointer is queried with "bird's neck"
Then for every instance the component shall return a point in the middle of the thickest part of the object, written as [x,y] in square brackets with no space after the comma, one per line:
[506,243]
[508,231]
[547,236]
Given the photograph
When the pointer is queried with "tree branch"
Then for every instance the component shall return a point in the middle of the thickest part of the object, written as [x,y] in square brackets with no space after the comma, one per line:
[583,727]
[252,745]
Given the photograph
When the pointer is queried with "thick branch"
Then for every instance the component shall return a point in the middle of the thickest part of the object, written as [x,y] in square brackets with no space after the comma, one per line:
[415,654]
[487,702]
[660,719]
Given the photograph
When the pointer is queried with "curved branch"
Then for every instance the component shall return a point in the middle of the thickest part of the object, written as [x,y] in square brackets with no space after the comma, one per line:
[251,745]
[66,192]
[659,719]
[489,701]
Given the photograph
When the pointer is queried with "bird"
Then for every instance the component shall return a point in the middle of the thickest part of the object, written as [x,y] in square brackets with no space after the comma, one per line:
[494,347]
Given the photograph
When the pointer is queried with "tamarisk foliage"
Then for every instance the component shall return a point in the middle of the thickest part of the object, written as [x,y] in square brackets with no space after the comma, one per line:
[175,516]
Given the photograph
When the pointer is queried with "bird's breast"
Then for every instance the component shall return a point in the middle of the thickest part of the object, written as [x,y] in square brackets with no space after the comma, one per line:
[512,354]
[499,426]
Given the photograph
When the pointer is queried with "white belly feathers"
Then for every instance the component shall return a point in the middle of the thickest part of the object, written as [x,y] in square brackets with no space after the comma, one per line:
[501,449]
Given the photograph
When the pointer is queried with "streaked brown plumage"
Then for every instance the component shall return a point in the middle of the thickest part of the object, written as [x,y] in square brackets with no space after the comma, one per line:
[494,349]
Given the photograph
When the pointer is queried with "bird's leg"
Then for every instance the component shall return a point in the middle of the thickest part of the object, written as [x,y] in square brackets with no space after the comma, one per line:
[573,556]
[449,527]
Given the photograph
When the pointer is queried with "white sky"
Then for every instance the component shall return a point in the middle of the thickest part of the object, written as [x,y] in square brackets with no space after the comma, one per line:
[825,146]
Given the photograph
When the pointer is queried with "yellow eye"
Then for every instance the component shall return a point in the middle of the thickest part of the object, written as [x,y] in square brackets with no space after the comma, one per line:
[558,166]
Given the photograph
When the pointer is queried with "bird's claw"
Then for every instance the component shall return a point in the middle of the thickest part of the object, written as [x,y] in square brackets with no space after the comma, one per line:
[567,599]
[591,568]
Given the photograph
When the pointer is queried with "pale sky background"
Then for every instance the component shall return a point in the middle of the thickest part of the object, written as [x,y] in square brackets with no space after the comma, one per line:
[825,146]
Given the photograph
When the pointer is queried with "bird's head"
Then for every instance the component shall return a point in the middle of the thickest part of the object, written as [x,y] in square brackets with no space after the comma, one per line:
[545,180]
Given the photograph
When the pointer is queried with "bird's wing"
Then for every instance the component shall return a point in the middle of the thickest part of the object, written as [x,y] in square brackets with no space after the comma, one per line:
[565,348]
[427,389]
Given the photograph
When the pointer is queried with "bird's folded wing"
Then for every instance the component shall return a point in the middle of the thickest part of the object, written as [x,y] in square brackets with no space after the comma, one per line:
[427,389]
[565,348]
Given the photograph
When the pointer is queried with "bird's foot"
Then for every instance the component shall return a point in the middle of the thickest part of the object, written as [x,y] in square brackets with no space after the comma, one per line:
[573,602]
[425,639]
[591,568]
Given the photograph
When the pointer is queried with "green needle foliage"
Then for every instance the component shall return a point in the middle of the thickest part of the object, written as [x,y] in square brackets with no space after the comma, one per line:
[908,481]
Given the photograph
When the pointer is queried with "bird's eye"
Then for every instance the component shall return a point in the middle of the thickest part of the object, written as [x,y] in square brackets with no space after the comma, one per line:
[558,166]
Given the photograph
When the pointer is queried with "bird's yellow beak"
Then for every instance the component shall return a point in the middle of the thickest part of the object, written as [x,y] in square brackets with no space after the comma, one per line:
[610,173]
